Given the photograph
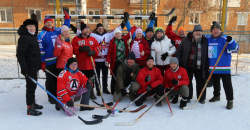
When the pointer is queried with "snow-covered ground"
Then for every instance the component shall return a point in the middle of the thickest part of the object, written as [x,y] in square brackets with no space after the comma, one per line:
[210,116]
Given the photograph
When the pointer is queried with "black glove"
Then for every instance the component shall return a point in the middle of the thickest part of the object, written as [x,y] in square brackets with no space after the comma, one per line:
[173,42]
[174,18]
[66,9]
[70,103]
[73,28]
[24,72]
[152,16]
[84,48]
[148,78]
[167,89]
[126,16]
[149,88]
[91,52]
[123,92]
[164,56]
[189,35]
[174,82]
[88,85]
[229,38]
[123,23]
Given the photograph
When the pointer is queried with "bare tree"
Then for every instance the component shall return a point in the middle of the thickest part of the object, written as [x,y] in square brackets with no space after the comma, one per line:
[106,11]
[81,9]
[154,6]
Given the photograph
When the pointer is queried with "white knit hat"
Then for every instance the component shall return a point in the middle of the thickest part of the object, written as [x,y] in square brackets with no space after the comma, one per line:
[138,30]
[64,28]
[117,31]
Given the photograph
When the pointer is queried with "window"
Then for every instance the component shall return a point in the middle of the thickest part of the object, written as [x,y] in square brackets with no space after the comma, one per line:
[94,12]
[72,12]
[116,21]
[5,15]
[216,17]
[242,18]
[137,22]
[37,13]
[194,18]
[167,18]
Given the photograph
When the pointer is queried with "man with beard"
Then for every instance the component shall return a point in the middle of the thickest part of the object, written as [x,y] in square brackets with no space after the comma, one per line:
[193,56]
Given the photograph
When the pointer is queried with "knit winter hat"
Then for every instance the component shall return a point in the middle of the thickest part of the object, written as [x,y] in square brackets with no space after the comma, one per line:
[117,31]
[70,61]
[83,26]
[64,28]
[159,29]
[138,30]
[215,25]
[174,60]
[47,19]
[181,28]
[149,29]
[149,58]
[29,22]
[131,55]
[197,28]
[99,25]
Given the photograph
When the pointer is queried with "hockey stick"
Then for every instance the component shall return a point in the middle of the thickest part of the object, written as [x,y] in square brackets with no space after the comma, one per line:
[99,83]
[133,111]
[132,123]
[105,61]
[171,11]
[86,122]
[189,107]
[106,116]
[169,105]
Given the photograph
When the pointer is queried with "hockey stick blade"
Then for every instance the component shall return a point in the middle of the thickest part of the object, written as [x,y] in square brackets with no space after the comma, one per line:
[138,109]
[191,106]
[125,123]
[91,122]
[106,116]
[101,105]
[170,12]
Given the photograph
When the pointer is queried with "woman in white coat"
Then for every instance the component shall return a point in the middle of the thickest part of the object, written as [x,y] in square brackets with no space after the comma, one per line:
[162,50]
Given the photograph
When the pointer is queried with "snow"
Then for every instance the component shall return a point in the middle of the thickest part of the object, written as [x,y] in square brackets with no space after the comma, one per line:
[208,116]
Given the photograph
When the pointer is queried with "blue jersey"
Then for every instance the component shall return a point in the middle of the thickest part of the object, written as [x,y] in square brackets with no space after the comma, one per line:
[215,46]
[46,40]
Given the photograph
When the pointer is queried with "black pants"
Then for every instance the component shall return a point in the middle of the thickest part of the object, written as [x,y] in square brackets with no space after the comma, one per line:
[86,96]
[58,71]
[30,88]
[101,66]
[159,90]
[227,84]
[88,73]
[51,81]
[199,83]
[113,81]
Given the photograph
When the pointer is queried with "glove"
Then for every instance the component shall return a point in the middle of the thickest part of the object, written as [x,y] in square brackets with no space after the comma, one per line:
[123,92]
[126,16]
[70,103]
[107,64]
[43,66]
[58,42]
[123,23]
[66,11]
[91,52]
[148,78]
[24,72]
[84,48]
[229,38]
[173,19]
[73,28]
[189,35]
[173,42]
[152,16]
[164,56]
[88,85]
[167,89]
[174,82]
[149,88]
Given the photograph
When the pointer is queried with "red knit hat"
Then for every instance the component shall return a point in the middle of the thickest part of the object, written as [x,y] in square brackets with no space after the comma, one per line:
[47,19]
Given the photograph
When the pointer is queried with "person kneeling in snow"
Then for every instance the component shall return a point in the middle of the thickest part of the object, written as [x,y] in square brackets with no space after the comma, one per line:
[151,80]
[126,74]
[176,77]
[71,83]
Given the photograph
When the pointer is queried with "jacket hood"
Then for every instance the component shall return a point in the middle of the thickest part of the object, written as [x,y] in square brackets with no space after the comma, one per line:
[22,30]
[68,69]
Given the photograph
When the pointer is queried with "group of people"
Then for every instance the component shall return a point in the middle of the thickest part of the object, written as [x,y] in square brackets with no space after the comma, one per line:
[143,64]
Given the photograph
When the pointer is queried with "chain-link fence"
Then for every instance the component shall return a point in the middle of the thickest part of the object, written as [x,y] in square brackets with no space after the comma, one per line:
[189,12]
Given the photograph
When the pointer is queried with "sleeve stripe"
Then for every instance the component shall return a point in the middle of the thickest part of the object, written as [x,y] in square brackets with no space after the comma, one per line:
[61,90]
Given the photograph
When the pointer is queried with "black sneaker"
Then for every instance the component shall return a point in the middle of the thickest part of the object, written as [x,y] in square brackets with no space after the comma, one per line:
[202,102]
[52,101]
[32,111]
[36,106]
[86,108]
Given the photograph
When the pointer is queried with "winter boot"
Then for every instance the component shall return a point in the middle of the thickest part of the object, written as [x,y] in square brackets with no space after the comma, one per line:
[36,106]
[132,96]
[159,103]
[77,99]
[202,101]
[32,111]
[175,100]
[106,91]
[86,108]
[92,95]
[51,100]
[183,102]
[229,104]
[214,99]
[188,101]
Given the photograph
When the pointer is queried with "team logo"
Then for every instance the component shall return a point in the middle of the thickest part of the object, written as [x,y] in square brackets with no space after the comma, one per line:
[91,42]
[73,84]
[179,77]
[70,77]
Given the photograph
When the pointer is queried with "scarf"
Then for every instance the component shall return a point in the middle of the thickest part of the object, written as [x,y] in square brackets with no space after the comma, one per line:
[195,54]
